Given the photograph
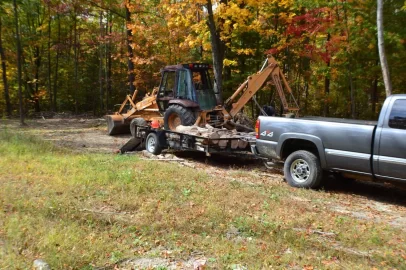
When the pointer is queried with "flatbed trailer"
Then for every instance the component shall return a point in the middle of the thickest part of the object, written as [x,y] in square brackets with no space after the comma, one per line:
[155,140]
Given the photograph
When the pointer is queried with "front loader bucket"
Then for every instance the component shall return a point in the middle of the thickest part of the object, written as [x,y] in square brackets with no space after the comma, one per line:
[117,125]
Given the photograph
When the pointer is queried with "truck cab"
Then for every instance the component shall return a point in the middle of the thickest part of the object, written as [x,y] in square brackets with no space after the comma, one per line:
[389,151]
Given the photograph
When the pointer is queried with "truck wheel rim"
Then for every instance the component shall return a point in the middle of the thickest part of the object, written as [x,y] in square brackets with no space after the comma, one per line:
[151,144]
[300,170]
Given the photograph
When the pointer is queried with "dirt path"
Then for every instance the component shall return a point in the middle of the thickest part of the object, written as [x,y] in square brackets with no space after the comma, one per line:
[79,135]
[366,201]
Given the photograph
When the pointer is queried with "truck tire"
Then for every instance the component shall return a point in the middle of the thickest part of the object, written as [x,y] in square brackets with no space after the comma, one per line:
[302,169]
[177,115]
[136,122]
[152,144]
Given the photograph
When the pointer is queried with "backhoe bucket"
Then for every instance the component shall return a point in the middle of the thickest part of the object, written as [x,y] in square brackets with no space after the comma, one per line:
[117,125]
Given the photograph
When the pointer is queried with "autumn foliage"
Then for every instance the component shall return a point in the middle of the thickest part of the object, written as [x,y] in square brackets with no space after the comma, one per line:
[77,54]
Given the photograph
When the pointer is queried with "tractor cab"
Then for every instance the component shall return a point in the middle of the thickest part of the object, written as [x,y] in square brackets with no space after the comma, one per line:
[186,85]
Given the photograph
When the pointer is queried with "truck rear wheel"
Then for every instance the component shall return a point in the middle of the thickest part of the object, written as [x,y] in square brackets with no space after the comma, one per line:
[152,144]
[302,169]
[177,115]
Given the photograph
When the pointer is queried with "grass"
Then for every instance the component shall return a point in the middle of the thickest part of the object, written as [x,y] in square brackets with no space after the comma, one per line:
[77,211]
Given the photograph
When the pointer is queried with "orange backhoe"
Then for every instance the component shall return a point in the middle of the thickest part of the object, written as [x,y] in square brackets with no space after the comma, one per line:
[186,96]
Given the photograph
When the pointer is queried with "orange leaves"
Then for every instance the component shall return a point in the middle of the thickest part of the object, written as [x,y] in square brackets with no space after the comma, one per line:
[160,32]
[330,261]
[245,51]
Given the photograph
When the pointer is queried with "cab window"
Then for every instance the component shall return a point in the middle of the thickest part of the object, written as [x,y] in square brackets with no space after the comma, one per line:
[201,80]
[184,86]
[168,84]
[397,118]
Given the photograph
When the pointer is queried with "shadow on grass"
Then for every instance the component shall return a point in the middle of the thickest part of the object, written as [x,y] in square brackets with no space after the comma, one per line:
[222,160]
[382,192]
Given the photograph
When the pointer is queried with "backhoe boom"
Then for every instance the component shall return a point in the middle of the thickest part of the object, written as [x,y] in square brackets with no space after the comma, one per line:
[255,82]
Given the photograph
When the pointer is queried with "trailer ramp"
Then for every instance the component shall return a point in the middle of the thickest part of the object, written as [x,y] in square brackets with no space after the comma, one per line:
[132,145]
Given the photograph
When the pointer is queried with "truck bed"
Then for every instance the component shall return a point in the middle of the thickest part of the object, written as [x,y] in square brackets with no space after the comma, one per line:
[340,134]
[340,120]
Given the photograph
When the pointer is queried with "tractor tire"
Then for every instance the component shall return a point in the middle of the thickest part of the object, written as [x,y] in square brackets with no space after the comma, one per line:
[177,115]
[136,122]
[302,169]
[152,144]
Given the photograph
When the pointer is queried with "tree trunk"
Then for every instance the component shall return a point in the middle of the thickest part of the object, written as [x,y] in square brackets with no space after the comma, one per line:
[381,47]
[131,75]
[101,90]
[374,95]
[55,90]
[349,66]
[109,30]
[326,109]
[306,89]
[352,92]
[37,62]
[76,60]
[19,80]
[49,60]
[4,75]
[218,50]
[298,88]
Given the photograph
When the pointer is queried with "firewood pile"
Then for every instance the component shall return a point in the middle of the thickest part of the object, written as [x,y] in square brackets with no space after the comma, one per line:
[217,136]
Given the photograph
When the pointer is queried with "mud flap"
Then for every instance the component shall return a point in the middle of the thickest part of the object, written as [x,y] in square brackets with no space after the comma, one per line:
[131,145]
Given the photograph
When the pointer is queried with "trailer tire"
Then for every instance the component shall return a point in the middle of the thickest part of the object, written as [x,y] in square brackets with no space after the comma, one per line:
[177,115]
[152,144]
[136,122]
[302,169]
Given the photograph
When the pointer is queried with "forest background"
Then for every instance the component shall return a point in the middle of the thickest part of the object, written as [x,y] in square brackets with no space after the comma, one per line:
[84,56]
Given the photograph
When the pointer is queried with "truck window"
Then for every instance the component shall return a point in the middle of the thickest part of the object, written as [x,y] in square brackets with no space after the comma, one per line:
[397,118]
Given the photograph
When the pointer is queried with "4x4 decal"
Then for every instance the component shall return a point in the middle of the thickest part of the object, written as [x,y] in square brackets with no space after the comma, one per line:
[267,133]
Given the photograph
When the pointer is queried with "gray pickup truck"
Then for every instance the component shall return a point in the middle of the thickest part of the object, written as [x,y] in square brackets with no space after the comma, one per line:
[352,148]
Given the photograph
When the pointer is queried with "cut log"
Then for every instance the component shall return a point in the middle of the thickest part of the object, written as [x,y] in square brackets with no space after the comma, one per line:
[234,144]
[193,130]
[242,144]
[223,143]
[213,136]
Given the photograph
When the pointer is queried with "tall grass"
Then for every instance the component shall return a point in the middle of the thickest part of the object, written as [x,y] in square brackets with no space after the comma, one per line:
[82,210]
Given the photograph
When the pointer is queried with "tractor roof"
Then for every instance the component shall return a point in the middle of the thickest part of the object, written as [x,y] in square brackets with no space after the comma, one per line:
[193,66]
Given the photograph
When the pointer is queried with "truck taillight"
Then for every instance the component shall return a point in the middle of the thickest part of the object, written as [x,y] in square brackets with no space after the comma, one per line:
[257,129]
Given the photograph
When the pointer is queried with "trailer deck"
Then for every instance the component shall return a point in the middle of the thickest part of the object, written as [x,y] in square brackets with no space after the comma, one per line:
[155,140]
